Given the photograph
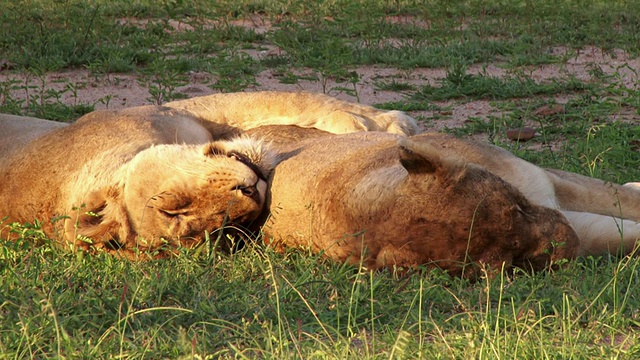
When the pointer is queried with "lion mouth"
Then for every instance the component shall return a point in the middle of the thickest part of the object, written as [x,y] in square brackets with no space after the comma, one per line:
[246,161]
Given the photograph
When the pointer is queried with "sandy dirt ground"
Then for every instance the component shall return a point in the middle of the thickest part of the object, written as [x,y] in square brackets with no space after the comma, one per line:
[116,91]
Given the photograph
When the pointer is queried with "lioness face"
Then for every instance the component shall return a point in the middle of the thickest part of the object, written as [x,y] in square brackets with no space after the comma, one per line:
[176,193]
[495,223]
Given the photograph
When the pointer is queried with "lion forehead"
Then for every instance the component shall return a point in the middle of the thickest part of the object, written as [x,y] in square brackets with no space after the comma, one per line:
[187,167]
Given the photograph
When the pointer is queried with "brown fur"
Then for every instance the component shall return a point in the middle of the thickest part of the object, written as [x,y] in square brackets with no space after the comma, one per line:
[605,216]
[393,202]
[138,178]
[125,187]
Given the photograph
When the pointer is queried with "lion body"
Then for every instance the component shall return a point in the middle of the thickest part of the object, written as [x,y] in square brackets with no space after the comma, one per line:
[605,216]
[387,202]
[119,166]
[308,110]
[160,175]
[118,177]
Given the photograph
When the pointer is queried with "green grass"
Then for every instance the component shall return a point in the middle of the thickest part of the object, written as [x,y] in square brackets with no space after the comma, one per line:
[69,33]
[259,304]
[493,88]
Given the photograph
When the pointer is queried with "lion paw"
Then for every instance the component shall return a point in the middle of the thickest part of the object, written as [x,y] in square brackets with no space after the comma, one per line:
[397,122]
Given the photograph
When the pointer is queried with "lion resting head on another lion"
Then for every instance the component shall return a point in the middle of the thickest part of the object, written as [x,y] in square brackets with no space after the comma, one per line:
[171,195]
[391,202]
[154,177]
[151,178]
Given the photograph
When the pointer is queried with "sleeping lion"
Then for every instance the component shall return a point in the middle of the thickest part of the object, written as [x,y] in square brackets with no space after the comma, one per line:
[389,201]
[141,180]
[146,179]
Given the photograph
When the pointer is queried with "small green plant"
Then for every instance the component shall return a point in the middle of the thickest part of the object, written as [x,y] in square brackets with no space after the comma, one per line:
[394,85]
[233,71]
[459,84]
[162,83]
[8,103]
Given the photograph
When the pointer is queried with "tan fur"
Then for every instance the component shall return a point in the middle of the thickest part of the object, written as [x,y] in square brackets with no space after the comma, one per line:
[125,186]
[20,130]
[605,216]
[308,110]
[141,178]
[393,202]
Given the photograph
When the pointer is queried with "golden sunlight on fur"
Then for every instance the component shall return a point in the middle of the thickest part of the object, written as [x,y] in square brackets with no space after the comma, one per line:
[125,190]
[388,201]
[309,110]
[154,178]
[604,216]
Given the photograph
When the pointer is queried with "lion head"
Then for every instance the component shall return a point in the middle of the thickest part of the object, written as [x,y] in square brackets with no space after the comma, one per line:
[173,194]
[386,201]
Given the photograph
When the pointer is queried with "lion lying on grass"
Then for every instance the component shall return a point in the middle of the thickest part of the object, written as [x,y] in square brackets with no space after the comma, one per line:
[148,177]
[122,186]
[388,201]
[151,177]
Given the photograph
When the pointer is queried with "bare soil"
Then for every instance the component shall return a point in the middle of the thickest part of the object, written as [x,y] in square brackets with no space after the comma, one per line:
[116,91]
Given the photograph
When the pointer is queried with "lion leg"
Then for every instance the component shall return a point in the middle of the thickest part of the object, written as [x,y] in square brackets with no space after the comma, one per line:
[363,118]
[584,194]
[601,234]
[246,111]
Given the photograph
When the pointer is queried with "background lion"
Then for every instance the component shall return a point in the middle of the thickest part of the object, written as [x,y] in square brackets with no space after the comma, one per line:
[143,177]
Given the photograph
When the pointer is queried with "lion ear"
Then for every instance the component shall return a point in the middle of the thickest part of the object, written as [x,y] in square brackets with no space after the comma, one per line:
[101,219]
[422,158]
